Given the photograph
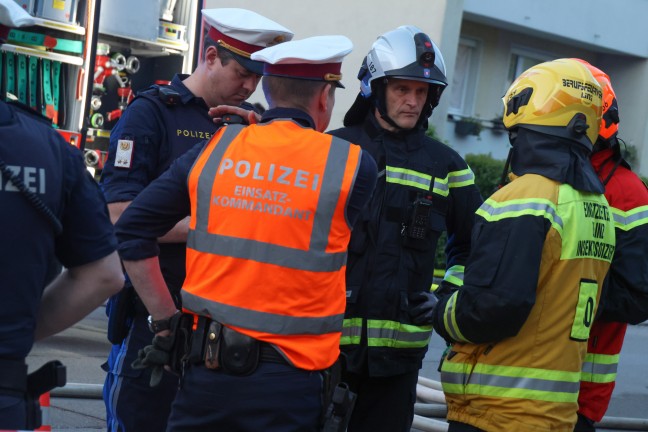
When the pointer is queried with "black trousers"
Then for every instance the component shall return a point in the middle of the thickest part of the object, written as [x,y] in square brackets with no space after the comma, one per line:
[274,398]
[462,427]
[584,424]
[384,404]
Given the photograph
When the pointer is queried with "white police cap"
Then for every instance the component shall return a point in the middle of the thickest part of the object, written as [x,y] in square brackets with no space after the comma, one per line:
[317,58]
[243,32]
[11,16]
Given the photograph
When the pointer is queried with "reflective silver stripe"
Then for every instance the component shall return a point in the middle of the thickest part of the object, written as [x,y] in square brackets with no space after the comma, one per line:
[441,187]
[600,368]
[261,321]
[351,331]
[397,335]
[449,319]
[628,220]
[352,328]
[266,253]
[455,275]
[521,207]
[458,180]
[408,177]
[329,194]
[521,383]
[315,259]
[208,174]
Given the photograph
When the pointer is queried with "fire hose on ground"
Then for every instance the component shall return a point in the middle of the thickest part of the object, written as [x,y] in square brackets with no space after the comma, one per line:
[431,406]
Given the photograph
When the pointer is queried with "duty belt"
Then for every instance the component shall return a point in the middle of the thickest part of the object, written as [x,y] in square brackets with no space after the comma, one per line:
[13,377]
[205,341]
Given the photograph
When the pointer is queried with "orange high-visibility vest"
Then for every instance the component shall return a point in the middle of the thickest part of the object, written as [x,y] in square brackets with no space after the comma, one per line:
[268,236]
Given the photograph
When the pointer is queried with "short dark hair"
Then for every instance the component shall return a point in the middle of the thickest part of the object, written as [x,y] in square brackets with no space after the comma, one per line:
[224,55]
[291,92]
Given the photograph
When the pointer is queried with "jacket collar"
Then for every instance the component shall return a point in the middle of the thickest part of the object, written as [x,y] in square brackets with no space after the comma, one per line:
[294,114]
[186,96]
[412,139]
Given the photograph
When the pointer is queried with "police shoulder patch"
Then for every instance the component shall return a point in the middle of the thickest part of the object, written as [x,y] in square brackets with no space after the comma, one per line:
[124,155]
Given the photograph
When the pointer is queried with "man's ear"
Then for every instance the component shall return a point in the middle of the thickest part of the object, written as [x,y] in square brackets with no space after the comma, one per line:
[324,97]
[211,55]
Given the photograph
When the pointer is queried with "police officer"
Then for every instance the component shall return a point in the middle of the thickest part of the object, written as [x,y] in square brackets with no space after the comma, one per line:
[161,124]
[424,188]
[272,206]
[51,207]
[542,247]
[625,298]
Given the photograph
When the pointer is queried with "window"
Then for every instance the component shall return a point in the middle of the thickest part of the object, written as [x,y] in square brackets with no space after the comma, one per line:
[464,81]
[523,59]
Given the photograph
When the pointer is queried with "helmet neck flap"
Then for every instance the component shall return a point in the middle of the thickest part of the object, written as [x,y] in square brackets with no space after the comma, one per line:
[554,157]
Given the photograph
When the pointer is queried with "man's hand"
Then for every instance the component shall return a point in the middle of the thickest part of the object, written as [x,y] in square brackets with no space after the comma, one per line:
[155,356]
[219,111]
[421,307]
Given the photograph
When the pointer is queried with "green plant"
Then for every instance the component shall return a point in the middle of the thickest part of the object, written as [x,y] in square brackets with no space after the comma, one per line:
[431,132]
[488,172]
[629,153]
[468,126]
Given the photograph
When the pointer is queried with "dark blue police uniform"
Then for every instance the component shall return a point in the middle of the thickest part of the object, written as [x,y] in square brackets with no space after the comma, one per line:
[77,231]
[214,397]
[159,125]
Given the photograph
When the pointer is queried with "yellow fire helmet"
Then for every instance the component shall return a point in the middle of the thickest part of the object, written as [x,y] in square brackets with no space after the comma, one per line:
[560,98]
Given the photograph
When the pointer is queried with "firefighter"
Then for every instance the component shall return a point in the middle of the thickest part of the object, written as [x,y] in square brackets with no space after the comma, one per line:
[51,208]
[542,246]
[159,125]
[424,188]
[272,206]
[625,299]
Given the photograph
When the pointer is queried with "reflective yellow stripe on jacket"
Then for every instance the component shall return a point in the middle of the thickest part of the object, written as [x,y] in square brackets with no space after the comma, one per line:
[455,275]
[600,368]
[631,219]
[423,181]
[384,333]
[510,382]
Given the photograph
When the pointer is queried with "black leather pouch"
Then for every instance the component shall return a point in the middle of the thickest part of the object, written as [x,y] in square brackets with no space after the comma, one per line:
[239,353]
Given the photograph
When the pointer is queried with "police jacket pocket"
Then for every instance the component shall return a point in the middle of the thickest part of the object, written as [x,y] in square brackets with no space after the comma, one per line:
[352,292]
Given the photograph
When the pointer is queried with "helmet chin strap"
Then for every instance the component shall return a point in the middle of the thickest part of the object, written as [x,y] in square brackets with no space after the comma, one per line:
[380,102]
[385,117]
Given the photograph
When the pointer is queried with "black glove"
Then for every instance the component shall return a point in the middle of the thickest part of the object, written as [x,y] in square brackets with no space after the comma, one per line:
[155,356]
[421,307]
